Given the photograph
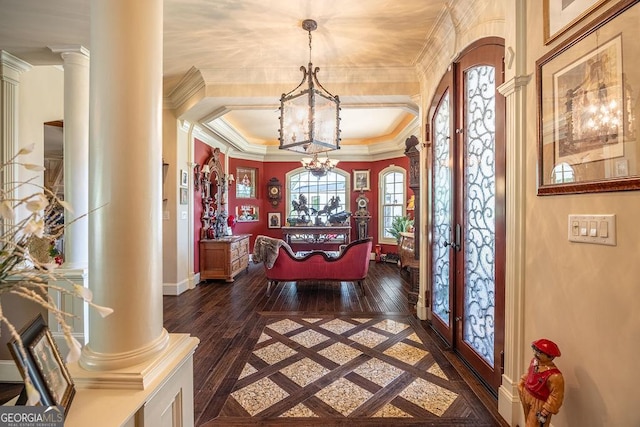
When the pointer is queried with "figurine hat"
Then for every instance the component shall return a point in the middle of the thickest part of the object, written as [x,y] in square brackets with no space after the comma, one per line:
[547,347]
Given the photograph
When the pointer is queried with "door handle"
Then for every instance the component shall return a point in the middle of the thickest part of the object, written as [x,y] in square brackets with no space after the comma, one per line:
[455,244]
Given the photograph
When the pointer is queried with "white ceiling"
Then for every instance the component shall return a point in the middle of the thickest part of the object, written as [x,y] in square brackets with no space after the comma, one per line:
[366,50]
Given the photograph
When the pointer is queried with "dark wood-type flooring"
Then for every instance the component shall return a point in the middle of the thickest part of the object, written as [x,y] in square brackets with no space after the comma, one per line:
[220,315]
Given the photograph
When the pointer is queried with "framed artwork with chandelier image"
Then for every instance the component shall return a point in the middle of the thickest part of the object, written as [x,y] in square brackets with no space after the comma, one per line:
[588,98]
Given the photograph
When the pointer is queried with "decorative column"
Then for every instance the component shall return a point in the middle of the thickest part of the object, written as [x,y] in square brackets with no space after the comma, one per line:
[76,153]
[125,182]
[10,70]
[514,90]
[76,192]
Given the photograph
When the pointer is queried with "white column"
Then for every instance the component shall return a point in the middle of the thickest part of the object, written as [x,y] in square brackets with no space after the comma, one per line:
[125,181]
[76,154]
[514,90]
[10,70]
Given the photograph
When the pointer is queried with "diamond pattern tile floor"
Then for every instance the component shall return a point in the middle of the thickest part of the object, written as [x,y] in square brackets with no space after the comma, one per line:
[335,368]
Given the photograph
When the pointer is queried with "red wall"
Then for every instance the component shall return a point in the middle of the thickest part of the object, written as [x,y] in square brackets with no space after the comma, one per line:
[268,170]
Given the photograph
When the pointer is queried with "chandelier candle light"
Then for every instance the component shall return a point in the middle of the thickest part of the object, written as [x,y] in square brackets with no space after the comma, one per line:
[310,118]
[316,167]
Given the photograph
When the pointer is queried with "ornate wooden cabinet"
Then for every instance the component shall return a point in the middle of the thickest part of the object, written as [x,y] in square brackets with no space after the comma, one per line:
[412,152]
[224,258]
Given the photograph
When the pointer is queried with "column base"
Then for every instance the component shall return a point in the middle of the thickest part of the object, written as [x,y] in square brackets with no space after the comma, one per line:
[126,370]
[509,406]
[157,392]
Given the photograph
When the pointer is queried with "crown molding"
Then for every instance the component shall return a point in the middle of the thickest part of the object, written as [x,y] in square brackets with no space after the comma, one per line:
[11,67]
[188,86]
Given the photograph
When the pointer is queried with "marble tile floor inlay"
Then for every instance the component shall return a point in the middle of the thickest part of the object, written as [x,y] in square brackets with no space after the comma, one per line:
[299,368]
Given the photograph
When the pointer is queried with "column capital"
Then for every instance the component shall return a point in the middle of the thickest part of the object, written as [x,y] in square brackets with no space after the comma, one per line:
[510,86]
[69,48]
[11,67]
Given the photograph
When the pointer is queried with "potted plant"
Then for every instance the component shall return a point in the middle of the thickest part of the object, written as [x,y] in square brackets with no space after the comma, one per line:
[399,225]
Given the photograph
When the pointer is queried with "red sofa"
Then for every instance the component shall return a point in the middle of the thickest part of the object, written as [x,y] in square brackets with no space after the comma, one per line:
[351,264]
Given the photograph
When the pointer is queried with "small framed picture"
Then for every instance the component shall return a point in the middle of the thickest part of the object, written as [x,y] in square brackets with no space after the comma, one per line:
[246,213]
[184,178]
[43,364]
[361,180]
[184,196]
[274,220]
[246,183]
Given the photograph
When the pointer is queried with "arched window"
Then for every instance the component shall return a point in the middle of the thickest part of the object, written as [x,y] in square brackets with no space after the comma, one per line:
[393,197]
[316,193]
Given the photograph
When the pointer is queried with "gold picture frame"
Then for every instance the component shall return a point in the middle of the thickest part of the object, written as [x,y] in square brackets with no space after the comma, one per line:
[587,108]
[247,213]
[361,180]
[560,16]
[246,184]
[274,220]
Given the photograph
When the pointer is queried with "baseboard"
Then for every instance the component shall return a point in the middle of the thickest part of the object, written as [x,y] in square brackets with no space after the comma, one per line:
[175,288]
[509,406]
[9,372]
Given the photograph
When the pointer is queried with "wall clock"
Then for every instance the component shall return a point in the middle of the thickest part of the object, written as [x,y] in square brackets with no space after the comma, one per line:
[274,191]
[363,205]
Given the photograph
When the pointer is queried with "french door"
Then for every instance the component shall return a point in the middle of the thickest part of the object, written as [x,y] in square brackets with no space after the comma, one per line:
[467,167]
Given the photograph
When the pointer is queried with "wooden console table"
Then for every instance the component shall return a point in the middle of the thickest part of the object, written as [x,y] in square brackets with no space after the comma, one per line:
[224,258]
[339,234]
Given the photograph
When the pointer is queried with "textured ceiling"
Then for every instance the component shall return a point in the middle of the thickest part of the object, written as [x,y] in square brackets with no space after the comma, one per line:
[258,41]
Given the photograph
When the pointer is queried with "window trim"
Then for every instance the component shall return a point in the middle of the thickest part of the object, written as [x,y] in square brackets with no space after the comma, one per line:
[381,175]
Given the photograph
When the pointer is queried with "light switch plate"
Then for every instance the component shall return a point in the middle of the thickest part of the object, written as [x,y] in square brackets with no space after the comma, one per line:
[597,229]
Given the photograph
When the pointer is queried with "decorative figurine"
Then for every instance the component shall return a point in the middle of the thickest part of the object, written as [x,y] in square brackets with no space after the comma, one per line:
[541,389]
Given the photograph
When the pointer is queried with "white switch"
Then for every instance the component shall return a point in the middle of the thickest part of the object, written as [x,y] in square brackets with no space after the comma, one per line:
[593,228]
[583,228]
[183,215]
[604,229]
[575,228]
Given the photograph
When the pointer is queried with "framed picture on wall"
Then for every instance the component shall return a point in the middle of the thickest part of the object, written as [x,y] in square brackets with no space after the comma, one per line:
[184,196]
[274,220]
[246,183]
[587,137]
[361,180]
[559,16]
[247,213]
[184,178]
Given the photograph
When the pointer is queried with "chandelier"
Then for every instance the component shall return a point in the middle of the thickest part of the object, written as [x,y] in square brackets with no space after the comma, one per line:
[316,167]
[310,118]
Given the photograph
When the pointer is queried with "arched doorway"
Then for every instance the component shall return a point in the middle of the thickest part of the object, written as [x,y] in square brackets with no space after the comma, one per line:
[467,201]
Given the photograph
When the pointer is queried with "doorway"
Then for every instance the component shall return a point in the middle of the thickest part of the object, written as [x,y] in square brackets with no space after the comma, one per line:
[467,194]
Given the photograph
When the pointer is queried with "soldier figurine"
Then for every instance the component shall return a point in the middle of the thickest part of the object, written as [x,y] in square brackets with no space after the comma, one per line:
[541,389]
